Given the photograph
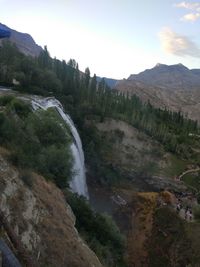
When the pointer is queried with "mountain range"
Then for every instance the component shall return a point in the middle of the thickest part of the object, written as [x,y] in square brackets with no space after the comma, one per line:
[174,87]
[169,77]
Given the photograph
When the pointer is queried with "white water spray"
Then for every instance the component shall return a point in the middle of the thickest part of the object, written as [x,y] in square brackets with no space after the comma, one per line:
[78,183]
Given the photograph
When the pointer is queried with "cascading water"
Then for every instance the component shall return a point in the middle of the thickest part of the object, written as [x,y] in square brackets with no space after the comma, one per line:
[78,183]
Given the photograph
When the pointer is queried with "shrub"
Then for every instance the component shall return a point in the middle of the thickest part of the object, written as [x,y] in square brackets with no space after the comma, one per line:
[196,212]
[22,109]
[38,142]
[99,230]
[4,100]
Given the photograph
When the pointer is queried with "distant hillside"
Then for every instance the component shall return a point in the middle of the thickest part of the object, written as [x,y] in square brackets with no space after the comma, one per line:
[23,41]
[169,76]
[196,71]
[110,82]
[174,87]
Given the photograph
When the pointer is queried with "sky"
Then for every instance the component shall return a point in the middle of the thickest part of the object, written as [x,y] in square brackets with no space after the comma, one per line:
[114,38]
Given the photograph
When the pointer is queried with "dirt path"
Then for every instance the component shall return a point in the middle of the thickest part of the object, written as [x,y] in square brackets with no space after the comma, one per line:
[188,171]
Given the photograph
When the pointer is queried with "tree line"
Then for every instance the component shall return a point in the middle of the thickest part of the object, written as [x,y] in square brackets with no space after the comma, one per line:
[85,98]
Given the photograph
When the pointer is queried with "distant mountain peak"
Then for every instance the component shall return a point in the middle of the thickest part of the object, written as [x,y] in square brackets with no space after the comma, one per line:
[23,41]
[174,77]
[170,66]
[180,65]
[173,87]
[159,64]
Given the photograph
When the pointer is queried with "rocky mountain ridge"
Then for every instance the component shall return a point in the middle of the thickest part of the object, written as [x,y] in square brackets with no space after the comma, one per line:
[171,77]
[173,87]
[23,41]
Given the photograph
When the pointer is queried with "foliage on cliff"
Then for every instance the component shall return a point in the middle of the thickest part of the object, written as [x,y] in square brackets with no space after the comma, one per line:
[100,232]
[37,140]
[169,243]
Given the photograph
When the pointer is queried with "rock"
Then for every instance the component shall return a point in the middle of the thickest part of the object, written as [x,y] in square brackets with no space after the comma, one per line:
[42,220]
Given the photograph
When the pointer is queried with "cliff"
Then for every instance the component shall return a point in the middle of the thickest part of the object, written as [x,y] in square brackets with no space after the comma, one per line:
[41,219]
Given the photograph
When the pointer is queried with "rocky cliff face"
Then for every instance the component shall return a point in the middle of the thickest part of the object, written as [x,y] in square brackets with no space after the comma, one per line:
[42,220]
[23,41]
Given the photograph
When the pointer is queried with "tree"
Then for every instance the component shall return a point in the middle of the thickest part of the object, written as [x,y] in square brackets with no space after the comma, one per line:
[87,77]
[44,58]
[93,87]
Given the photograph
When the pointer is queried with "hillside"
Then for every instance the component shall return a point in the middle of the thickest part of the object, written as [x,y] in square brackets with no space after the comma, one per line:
[34,208]
[172,77]
[135,158]
[110,82]
[139,157]
[40,144]
[174,87]
[23,41]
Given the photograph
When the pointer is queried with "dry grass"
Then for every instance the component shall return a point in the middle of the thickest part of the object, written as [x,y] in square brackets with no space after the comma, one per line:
[142,218]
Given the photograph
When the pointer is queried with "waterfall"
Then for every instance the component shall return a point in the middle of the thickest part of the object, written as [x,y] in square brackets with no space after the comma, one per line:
[78,183]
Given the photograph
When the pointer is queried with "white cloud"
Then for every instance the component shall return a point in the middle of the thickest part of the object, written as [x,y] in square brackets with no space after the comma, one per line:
[187,5]
[177,44]
[195,7]
[191,17]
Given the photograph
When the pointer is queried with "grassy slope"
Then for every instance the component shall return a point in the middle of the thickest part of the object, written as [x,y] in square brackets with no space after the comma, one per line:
[135,153]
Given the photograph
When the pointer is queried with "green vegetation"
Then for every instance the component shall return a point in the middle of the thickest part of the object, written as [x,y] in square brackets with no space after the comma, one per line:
[177,166]
[192,231]
[196,211]
[38,141]
[192,180]
[86,100]
[100,232]
[98,148]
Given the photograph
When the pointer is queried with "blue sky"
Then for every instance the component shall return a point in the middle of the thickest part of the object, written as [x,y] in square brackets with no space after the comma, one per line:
[112,38]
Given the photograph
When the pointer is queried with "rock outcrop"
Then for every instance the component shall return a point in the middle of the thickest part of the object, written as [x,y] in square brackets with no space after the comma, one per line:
[41,219]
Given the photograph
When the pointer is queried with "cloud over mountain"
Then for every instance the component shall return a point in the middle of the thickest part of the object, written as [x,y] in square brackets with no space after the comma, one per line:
[176,44]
